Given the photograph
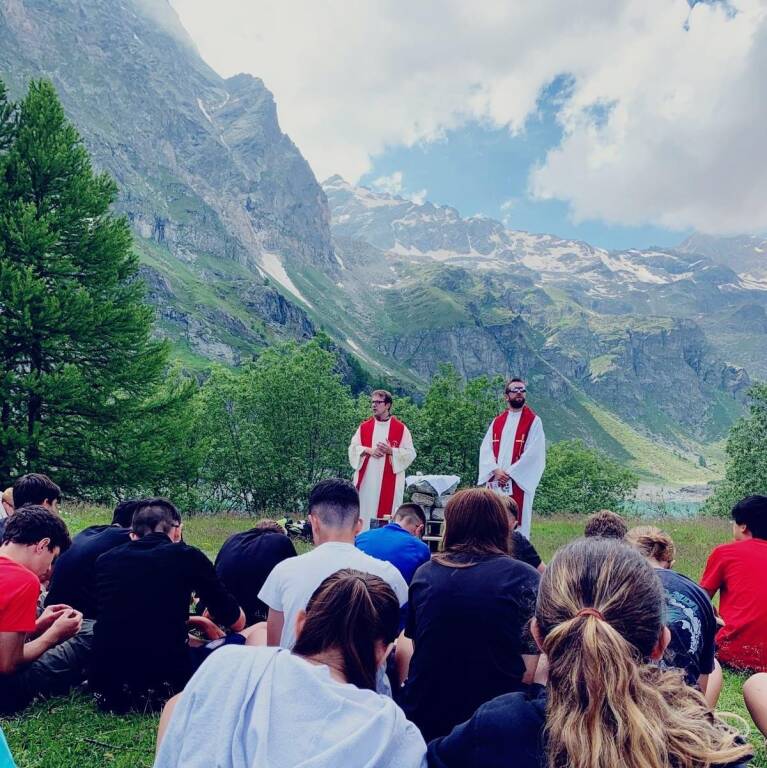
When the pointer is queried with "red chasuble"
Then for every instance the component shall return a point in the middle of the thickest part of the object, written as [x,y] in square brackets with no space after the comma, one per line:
[526,419]
[396,431]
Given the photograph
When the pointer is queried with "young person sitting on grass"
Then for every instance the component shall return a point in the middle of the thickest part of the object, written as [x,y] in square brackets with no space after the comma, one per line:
[74,578]
[468,616]
[313,706]
[399,542]
[606,524]
[141,654]
[334,514]
[689,614]
[520,547]
[245,561]
[599,622]
[738,571]
[32,490]
[38,655]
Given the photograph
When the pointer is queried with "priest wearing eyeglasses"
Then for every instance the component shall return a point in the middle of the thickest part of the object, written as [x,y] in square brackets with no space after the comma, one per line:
[380,452]
[513,453]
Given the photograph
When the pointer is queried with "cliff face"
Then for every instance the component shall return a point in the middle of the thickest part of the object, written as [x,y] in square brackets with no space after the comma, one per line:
[208,180]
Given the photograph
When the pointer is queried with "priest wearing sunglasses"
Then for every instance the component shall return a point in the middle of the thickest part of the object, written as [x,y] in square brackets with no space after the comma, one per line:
[513,454]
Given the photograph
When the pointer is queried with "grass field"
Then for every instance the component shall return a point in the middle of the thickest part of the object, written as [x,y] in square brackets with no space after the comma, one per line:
[66,733]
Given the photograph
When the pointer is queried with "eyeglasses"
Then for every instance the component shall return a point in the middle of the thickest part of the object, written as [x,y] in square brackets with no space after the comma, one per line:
[515,390]
[377,402]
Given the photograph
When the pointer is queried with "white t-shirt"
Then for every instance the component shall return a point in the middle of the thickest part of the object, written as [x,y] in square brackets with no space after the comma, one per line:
[293,581]
[248,707]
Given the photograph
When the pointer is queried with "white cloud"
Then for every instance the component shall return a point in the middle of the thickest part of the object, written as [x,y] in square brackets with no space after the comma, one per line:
[682,145]
[393,185]
[507,206]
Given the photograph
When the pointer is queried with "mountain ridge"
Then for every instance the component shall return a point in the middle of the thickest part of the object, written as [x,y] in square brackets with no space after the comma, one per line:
[241,247]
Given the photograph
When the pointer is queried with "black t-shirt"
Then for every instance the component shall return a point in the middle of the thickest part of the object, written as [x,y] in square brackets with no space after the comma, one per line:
[503,732]
[507,731]
[470,626]
[522,549]
[692,623]
[73,579]
[144,592]
[244,563]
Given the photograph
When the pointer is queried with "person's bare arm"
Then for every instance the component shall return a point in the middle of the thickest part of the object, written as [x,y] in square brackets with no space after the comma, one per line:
[209,629]
[11,651]
[167,713]
[275,621]
[711,685]
[240,623]
[531,664]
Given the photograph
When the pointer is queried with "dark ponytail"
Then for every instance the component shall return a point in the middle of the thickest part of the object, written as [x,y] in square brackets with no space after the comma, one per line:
[350,612]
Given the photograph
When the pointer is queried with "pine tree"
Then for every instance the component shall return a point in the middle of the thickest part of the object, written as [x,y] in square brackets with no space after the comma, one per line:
[76,355]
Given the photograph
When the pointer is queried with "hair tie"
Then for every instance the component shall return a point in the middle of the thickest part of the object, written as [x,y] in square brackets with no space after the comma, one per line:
[591,612]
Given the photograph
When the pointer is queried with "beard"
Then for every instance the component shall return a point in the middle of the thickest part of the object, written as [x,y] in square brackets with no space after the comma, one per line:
[516,402]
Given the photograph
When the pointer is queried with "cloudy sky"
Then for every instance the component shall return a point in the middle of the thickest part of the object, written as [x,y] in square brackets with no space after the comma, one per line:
[621,122]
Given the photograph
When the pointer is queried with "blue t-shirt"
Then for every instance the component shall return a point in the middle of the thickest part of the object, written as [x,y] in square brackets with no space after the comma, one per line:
[6,760]
[397,546]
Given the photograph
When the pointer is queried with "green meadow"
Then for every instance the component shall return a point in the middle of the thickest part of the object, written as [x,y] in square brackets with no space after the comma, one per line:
[67,732]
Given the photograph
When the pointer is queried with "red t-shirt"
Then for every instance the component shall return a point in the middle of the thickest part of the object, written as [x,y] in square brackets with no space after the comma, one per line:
[739,571]
[19,590]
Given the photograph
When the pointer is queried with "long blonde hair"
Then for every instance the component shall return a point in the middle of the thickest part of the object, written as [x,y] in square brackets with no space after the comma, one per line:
[599,613]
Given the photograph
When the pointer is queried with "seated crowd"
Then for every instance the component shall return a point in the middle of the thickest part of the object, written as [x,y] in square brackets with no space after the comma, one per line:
[369,650]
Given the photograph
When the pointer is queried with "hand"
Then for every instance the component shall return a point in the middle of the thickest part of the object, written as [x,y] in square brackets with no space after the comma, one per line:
[501,477]
[65,626]
[384,448]
[374,453]
[49,615]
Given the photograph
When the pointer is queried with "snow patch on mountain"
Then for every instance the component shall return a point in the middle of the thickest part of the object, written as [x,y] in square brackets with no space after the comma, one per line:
[272,263]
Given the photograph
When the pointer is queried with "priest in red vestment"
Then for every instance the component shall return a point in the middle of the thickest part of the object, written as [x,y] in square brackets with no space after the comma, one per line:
[380,452]
[513,454]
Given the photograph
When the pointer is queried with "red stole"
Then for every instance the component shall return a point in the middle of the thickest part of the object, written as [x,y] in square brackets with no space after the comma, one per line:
[526,419]
[396,431]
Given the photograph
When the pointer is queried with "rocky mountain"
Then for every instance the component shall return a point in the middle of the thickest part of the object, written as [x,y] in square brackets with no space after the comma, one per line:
[622,329]
[241,247]
[745,254]
[213,188]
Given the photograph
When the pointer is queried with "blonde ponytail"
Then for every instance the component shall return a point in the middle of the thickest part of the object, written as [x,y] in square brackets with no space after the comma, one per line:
[600,615]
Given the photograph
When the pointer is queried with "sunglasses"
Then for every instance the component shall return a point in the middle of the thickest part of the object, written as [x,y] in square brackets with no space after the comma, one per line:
[516,390]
